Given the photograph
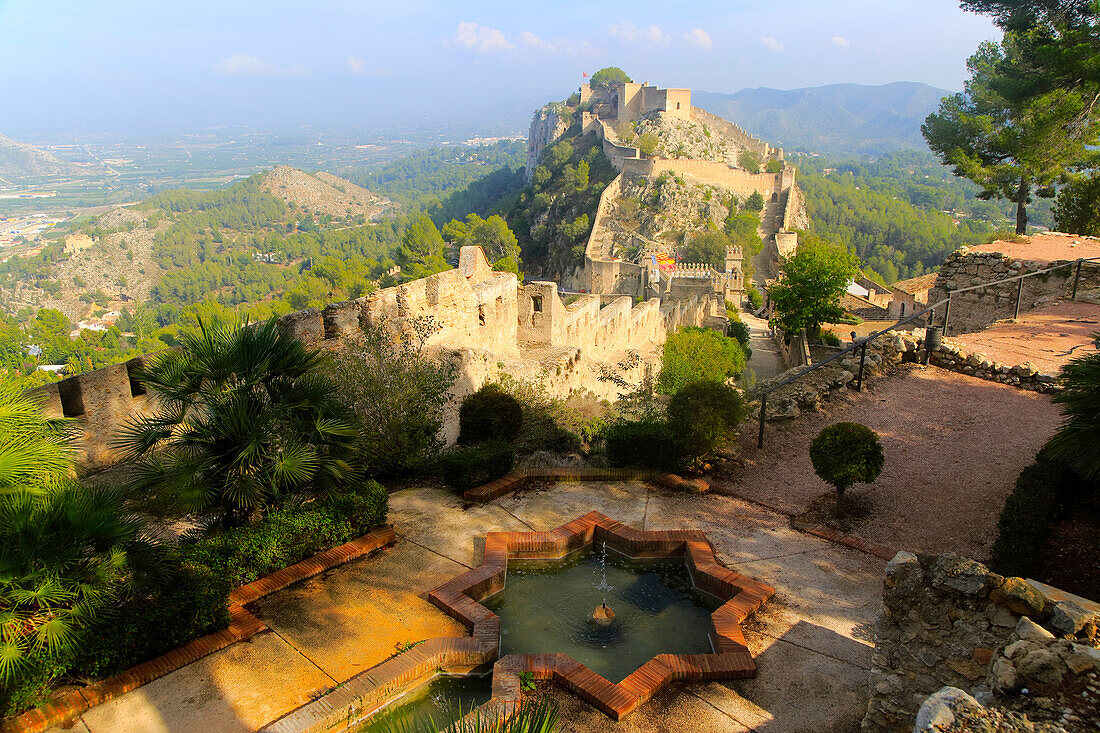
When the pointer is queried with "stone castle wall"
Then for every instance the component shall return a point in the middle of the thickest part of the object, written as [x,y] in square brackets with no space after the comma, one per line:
[978,309]
[487,325]
[735,132]
[736,180]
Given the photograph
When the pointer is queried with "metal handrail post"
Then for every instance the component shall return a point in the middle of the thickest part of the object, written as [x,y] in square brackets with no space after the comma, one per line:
[1019,295]
[763,409]
[946,313]
[1077,277]
[862,357]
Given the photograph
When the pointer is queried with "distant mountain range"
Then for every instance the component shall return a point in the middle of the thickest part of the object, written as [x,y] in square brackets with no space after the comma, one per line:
[837,119]
[19,160]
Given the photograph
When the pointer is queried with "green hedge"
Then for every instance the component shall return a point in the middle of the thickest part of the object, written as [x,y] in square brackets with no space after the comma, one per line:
[643,444]
[291,534]
[191,598]
[475,465]
[1040,495]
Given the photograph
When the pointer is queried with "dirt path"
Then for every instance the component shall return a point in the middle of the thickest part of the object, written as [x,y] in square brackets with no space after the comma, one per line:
[1047,337]
[766,360]
[954,446]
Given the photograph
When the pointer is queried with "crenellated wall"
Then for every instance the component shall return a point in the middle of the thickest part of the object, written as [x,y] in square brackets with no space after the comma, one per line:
[736,180]
[735,133]
[488,325]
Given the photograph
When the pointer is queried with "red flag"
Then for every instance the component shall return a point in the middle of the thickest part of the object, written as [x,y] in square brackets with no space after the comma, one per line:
[584,74]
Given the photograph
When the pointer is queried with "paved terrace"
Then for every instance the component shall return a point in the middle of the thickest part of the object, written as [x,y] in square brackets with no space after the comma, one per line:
[812,641]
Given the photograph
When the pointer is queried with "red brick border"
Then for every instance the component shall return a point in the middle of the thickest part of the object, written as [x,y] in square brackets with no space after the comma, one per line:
[521,477]
[64,708]
[742,595]
[376,687]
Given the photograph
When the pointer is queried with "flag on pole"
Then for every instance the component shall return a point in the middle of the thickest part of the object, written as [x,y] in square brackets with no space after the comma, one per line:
[584,74]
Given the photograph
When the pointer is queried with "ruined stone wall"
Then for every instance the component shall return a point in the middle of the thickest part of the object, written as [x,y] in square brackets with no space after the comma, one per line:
[949,621]
[487,325]
[736,180]
[735,133]
[978,309]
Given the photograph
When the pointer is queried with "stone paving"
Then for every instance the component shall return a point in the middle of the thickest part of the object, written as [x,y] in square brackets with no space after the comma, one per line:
[812,641]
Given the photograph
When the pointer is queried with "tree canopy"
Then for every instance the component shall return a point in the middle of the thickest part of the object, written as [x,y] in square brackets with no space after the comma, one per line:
[607,76]
[421,250]
[492,234]
[708,248]
[812,283]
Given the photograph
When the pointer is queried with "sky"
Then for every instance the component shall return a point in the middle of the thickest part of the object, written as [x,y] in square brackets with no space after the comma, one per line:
[147,66]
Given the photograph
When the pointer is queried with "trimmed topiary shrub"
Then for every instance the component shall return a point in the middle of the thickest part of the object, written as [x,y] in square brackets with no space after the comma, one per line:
[471,466]
[847,453]
[646,443]
[489,414]
[703,415]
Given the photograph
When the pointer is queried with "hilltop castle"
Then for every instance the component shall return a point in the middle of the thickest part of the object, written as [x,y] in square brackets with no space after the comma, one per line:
[605,112]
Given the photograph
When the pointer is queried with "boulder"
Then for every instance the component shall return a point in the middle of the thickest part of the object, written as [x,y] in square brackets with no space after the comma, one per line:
[1019,596]
[1070,618]
[938,711]
[960,574]
[1028,630]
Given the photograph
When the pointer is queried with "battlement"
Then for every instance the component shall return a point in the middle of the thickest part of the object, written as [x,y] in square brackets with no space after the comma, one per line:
[486,319]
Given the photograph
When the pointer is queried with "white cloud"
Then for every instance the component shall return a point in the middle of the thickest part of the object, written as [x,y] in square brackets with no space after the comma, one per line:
[359,66]
[556,46]
[630,33]
[840,41]
[772,44]
[481,39]
[241,64]
[699,38]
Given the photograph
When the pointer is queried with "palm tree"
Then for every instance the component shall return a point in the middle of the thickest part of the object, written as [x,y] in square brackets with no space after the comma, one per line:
[245,415]
[35,451]
[1077,441]
[65,552]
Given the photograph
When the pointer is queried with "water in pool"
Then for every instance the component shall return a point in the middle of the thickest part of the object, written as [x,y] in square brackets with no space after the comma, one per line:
[441,699]
[549,606]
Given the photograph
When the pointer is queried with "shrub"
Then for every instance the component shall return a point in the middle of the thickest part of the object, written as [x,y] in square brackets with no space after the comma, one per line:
[847,453]
[695,353]
[645,443]
[648,143]
[1077,441]
[188,602]
[754,296]
[290,534]
[1040,494]
[739,331]
[471,466]
[489,414]
[399,395]
[703,415]
[829,338]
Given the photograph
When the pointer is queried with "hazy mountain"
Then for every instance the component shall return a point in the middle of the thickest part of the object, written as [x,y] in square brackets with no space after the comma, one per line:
[837,119]
[19,160]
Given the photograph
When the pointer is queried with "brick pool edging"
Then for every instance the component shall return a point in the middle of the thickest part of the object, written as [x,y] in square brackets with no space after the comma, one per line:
[378,686]
[521,477]
[64,708]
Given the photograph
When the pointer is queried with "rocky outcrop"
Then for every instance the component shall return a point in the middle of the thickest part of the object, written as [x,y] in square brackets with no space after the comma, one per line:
[994,653]
[548,124]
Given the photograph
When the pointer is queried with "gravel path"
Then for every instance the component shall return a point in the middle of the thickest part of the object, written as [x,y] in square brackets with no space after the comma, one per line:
[954,446]
[1048,336]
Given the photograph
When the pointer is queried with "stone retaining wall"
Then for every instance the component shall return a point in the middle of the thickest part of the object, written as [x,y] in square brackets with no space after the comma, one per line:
[949,621]
[978,309]
[955,358]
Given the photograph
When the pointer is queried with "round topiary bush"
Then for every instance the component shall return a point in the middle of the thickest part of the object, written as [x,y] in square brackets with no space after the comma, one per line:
[489,414]
[847,453]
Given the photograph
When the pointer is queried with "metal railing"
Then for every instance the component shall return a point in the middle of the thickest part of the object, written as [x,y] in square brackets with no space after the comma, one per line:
[861,344]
